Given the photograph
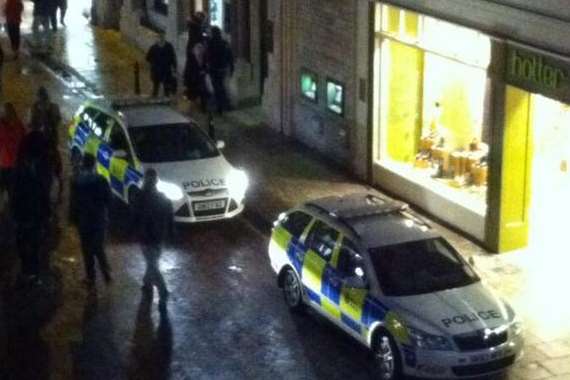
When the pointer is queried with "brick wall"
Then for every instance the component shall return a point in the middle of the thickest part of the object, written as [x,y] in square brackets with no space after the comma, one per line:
[325,43]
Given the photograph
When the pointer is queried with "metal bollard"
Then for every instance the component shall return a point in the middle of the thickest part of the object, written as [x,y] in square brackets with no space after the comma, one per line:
[211,127]
[137,72]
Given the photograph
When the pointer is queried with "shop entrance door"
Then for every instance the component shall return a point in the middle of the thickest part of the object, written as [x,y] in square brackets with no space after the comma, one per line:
[550,202]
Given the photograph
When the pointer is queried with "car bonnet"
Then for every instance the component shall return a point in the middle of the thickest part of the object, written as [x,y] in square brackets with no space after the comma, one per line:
[454,311]
[195,175]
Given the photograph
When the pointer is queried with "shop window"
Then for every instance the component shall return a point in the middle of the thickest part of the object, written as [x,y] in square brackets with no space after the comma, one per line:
[161,6]
[433,124]
[309,85]
[335,97]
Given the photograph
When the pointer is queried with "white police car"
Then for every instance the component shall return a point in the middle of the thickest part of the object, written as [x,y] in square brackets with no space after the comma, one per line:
[129,137]
[380,273]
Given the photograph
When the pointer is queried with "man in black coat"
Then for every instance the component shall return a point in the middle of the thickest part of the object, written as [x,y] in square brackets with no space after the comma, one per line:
[162,59]
[33,179]
[155,221]
[90,199]
[220,63]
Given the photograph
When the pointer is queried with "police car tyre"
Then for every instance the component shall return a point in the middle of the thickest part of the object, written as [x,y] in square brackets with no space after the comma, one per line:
[292,290]
[387,362]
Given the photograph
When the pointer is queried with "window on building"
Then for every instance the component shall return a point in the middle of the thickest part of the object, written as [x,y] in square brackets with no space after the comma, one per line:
[434,104]
[161,6]
[335,97]
[309,85]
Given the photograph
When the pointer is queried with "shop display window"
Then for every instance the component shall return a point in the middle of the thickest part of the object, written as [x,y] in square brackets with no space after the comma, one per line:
[309,85]
[335,97]
[434,105]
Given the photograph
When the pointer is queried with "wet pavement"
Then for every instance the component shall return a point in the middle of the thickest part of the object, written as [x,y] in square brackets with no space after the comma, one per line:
[226,318]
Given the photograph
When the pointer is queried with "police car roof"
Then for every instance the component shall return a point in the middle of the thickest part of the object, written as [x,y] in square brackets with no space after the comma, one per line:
[375,220]
[150,115]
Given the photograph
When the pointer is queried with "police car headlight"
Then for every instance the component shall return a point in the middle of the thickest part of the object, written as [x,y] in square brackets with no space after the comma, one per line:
[237,185]
[426,341]
[170,190]
[516,327]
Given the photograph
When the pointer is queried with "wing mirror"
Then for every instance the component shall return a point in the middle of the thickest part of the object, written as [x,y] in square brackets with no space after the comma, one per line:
[220,144]
[120,153]
[357,280]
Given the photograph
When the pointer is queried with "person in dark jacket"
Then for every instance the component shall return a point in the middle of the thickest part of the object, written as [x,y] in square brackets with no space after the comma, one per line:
[13,10]
[31,206]
[162,59]
[155,218]
[195,69]
[220,64]
[90,199]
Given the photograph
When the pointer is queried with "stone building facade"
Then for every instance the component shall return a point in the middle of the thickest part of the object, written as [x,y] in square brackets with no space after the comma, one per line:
[391,62]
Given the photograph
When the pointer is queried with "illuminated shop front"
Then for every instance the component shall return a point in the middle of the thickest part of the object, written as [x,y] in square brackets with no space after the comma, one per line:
[473,129]
[536,180]
[432,115]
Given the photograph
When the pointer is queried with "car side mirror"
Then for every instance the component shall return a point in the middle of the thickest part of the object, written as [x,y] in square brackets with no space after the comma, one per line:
[120,153]
[357,280]
[220,144]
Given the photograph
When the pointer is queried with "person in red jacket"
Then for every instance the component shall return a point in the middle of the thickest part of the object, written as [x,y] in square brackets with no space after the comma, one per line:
[12,131]
[13,11]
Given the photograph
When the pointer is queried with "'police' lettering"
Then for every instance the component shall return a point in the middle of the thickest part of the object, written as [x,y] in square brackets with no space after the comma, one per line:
[207,182]
[471,317]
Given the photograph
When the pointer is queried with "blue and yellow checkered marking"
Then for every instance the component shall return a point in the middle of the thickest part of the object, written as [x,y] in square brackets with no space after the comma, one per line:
[355,308]
[117,171]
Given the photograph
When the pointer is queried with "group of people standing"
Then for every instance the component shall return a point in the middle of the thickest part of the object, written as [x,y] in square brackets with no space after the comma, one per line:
[209,63]
[31,180]
[45,17]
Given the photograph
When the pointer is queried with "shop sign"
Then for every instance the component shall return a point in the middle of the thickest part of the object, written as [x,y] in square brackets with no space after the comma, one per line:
[538,73]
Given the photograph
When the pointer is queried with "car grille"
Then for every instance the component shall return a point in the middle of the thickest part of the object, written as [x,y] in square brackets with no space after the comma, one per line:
[207,193]
[210,207]
[479,341]
[480,369]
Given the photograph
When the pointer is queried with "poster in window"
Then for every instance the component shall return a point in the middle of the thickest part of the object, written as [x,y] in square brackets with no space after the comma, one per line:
[309,85]
[335,97]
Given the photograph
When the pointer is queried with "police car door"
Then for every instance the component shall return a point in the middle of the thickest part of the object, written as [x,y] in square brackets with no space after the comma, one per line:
[289,234]
[96,144]
[122,158]
[320,243]
[353,287]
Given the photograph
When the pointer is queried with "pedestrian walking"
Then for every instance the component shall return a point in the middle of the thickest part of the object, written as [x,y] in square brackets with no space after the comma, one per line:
[90,199]
[41,19]
[195,69]
[1,69]
[52,13]
[11,134]
[62,6]
[162,60]
[46,115]
[220,64]
[155,217]
[13,11]
[33,179]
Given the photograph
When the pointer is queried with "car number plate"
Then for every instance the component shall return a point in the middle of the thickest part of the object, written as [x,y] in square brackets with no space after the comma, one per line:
[212,205]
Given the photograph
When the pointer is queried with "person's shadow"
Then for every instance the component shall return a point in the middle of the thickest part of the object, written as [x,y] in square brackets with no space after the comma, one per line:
[151,355]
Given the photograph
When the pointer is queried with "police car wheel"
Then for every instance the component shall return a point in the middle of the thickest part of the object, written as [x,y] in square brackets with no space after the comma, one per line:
[386,357]
[292,290]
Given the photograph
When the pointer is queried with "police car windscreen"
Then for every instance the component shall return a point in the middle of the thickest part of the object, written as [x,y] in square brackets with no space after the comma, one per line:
[172,142]
[420,267]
